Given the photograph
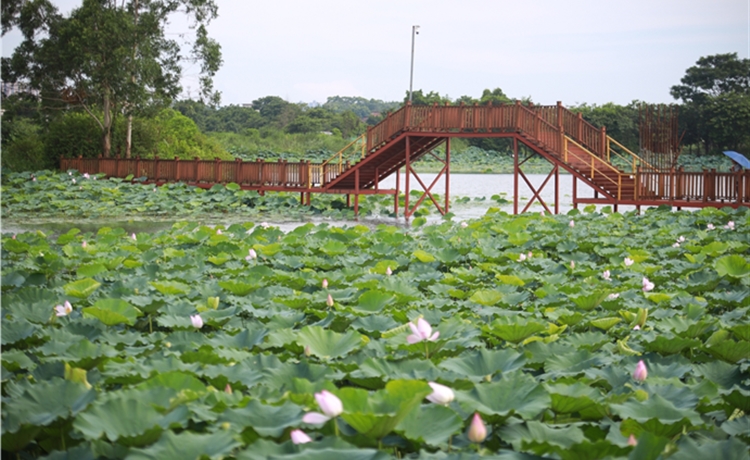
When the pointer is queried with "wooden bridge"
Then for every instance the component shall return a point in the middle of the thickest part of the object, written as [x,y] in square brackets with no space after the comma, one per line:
[617,175]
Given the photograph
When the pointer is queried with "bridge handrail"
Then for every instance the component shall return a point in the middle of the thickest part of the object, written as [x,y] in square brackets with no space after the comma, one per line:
[593,158]
[319,170]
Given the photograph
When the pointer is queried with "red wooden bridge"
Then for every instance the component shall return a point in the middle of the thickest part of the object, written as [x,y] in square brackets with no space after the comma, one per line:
[617,175]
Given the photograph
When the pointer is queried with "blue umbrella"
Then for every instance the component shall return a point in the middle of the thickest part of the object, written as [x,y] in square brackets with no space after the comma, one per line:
[739,158]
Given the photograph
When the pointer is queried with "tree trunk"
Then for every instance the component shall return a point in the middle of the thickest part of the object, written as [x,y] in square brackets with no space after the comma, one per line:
[129,136]
[107,126]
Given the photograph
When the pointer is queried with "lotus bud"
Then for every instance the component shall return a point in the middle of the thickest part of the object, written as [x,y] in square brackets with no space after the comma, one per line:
[647,285]
[572,224]
[299,437]
[197,321]
[329,300]
[388,271]
[329,403]
[74,181]
[530,255]
[441,394]
[640,373]
[325,283]
[572,264]
[606,275]
[251,254]
[133,237]
[477,431]
[632,441]
[308,352]
[218,231]
[83,245]
[228,389]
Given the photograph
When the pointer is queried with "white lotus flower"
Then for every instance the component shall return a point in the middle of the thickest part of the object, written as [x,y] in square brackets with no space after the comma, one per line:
[441,394]
[63,310]
[422,331]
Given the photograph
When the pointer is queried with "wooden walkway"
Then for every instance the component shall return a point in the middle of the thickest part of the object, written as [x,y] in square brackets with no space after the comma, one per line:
[617,175]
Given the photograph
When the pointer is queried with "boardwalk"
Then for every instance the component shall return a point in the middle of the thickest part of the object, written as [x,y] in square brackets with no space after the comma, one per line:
[617,175]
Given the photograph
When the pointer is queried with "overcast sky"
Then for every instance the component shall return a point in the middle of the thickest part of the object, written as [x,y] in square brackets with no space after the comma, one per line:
[575,51]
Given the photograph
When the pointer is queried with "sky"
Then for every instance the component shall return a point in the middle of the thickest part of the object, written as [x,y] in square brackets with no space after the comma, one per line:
[574,51]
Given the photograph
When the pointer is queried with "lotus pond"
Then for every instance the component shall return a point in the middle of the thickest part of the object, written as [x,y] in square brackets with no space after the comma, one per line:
[227,342]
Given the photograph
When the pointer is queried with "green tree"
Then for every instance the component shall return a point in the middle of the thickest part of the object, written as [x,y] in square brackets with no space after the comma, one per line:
[716,96]
[109,58]
[621,121]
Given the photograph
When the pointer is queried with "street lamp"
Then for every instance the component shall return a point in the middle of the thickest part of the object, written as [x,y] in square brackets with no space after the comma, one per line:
[414,33]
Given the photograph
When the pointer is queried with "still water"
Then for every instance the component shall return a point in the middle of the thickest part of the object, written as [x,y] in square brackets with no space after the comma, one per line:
[471,197]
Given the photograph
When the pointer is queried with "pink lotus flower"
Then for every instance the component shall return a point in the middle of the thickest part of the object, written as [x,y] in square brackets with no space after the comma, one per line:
[329,300]
[324,283]
[529,255]
[605,275]
[422,331]
[86,175]
[647,285]
[676,245]
[730,225]
[133,237]
[632,441]
[681,239]
[218,231]
[477,431]
[613,296]
[710,227]
[464,225]
[388,271]
[63,310]
[329,403]
[264,224]
[83,245]
[636,328]
[441,394]
[522,257]
[572,224]
[299,437]
[640,373]
[628,261]
[197,321]
[251,254]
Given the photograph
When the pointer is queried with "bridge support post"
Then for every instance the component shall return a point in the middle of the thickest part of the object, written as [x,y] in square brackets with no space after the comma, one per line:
[575,192]
[408,173]
[398,190]
[515,175]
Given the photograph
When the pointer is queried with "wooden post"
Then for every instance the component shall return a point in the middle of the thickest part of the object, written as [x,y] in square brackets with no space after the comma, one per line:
[408,173]
[196,162]
[217,174]
[356,192]
[395,200]
[515,172]
[177,168]
[447,173]
[156,169]
[237,167]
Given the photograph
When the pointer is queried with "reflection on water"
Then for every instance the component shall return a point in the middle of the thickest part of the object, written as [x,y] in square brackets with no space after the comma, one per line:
[470,198]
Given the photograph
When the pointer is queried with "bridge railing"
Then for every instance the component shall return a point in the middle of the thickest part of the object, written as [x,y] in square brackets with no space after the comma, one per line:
[245,173]
[705,186]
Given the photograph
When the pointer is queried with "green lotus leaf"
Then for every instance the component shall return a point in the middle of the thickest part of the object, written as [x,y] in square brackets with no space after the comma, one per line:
[670,345]
[486,297]
[91,269]
[741,331]
[514,393]
[541,438]
[423,256]
[265,419]
[511,280]
[649,447]
[515,332]
[237,287]
[170,287]
[328,448]
[82,288]
[327,344]
[729,449]
[44,403]
[113,311]
[659,417]
[447,255]
[175,380]
[433,424]
[658,297]
[729,350]
[734,266]
[35,305]
[220,258]
[376,414]
[14,360]
[372,302]
[187,445]
[478,364]
[122,417]
[567,399]
[737,427]
[605,324]
[588,302]
[715,248]
[383,370]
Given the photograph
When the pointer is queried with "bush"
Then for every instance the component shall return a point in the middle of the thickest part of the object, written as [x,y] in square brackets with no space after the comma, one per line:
[24,150]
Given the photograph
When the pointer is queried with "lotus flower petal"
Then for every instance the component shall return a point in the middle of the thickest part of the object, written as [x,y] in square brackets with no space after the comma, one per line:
[329,403]
[315,418]
[299,437]
[441,394]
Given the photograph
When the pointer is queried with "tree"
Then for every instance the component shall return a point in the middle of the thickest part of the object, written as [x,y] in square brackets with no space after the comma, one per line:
[107,58]
[716,97]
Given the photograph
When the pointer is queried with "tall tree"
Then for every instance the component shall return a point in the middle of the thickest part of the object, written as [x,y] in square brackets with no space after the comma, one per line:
[716,97]
[109,58]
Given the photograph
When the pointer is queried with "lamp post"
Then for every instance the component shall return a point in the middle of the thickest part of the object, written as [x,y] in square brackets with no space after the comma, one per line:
[414,33]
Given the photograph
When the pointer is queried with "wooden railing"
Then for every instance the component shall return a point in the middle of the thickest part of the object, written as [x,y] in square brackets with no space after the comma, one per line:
[245,173]
[706,186]
[338,162]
